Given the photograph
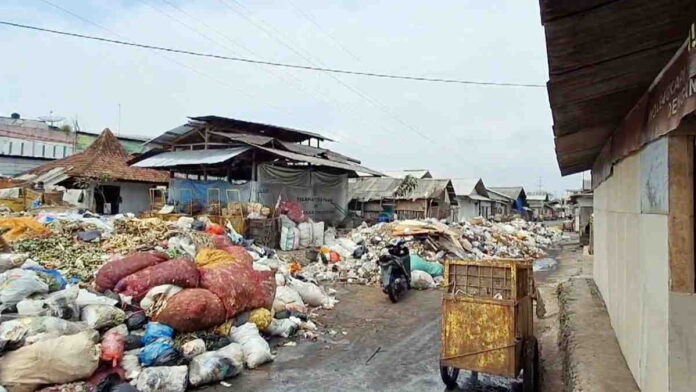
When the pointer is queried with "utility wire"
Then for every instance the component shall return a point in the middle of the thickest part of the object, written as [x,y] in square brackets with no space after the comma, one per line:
[263,62]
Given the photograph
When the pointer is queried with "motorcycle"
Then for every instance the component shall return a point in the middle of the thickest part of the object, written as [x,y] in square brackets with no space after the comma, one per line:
[395,265]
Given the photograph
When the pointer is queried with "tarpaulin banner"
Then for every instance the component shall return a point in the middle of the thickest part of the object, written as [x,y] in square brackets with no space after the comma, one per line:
[183,191]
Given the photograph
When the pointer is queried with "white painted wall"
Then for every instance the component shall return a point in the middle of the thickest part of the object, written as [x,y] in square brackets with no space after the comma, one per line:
[467,208]
[135,196]
[631,262]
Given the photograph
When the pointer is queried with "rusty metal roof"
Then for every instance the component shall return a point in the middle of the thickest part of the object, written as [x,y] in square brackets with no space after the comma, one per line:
[603,55]
[376,188]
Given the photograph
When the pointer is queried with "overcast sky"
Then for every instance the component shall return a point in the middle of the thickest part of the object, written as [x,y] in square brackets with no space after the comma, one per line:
[500,134]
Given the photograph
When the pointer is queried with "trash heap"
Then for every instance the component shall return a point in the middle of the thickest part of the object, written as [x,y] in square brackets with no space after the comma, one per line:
[191,303]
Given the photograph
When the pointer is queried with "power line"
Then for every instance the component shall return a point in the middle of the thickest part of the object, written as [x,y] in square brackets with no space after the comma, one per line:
[263,62]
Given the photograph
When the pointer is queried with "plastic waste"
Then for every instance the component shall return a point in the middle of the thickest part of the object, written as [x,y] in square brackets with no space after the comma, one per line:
[216,365]
[432,268]
[215,229]
[131,364]
[89,235]
[284,296]
[154,331]
[162,379]
[132,342]
[545,264]
[261,317]
[124,387]
[157,297]
[12,260]
[32,307]
[161,352]
[53,278]
[12,334]
[119,329]
[283,327]
[193,348]
[102,316]
[311,294]
[256,349]
[136,320]
[86,297]
[80,386]
[43,327]
[18,284]
[359,252]
[113,345]
[106,378]
[41,363]
[63,304]
[421,280]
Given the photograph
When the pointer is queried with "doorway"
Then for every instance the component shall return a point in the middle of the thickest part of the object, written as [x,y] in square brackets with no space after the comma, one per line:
[107,199]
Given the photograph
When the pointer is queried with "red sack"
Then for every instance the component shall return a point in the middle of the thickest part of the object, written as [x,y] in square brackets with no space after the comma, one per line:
[293,210]
[181,272]
[215,229]
[238,252]
[192,310]
[240,287]
[113,345]
[110,273]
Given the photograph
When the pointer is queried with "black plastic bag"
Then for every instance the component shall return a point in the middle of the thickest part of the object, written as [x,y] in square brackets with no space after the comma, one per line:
[136,320]
[132,342]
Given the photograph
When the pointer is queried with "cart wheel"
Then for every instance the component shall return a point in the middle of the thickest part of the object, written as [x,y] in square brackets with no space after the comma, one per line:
[449,376]
[530,376]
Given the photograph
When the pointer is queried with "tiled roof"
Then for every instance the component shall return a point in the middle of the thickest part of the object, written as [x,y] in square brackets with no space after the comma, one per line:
[105,159]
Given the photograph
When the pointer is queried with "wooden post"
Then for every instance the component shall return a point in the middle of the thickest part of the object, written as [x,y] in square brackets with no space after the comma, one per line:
[681,214]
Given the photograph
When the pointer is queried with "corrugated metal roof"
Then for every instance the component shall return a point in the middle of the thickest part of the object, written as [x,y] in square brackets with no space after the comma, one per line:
[171,135]
[468,186]
[512,192]
[417,173]
[320,161]
[538,196]
[366,189]
[498,196]
[191,157]
[258,127]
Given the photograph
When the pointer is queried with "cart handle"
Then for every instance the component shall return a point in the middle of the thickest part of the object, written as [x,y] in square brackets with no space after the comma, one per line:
[480,352]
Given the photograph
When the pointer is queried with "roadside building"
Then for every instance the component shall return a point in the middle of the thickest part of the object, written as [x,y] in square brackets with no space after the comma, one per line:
[582,202]
[99,178]
[503,205]
[622,90]
[426,198]
[516,193]
[539,204]
[472,199]
[26,144]
[216,160]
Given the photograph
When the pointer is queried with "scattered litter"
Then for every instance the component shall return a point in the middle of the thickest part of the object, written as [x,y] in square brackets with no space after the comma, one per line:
[256,349]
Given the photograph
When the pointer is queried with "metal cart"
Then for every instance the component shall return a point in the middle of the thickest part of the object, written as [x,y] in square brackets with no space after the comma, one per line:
[488,322]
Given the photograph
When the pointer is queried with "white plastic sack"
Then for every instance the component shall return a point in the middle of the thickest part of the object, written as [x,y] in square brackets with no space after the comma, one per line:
[261,267]
[183,244]
[283,327]
[42,328]
[162,379]
[330,236]
[421,280]
[193,348]
[317,233]
[102,316]
[156,298]
[347,244]
[18,284]
[256,349]
[12,260]
[217,365]
[86,297]
[287,238]
[305,234]
[310,293]
[12,334]
[131,364]
[280,279]
[63,303]
[284,296]
[296,238]
[32,307]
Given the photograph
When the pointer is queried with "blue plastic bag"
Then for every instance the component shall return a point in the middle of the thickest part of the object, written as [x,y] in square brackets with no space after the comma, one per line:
[161,352]
[154,331]
[431,267]
[55,280]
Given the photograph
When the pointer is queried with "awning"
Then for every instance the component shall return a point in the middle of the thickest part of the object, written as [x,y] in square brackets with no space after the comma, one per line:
[320,161]
[192,157]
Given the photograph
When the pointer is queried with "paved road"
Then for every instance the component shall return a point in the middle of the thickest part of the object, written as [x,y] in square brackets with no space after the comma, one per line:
[407,335]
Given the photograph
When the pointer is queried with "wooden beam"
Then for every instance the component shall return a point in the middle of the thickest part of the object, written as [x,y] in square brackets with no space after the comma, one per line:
[681,214]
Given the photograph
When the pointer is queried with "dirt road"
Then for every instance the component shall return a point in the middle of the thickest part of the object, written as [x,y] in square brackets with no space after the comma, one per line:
[386,347]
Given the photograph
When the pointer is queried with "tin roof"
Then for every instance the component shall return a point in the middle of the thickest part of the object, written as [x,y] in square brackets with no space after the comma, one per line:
[191,157]
[513,192]
[376,188]
[105,158]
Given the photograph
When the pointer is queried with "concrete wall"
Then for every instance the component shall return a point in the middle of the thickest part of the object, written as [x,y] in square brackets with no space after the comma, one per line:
[631,263]
[135,197]
[682,342]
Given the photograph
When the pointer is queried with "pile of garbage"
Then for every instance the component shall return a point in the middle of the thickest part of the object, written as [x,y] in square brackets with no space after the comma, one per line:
[195,304]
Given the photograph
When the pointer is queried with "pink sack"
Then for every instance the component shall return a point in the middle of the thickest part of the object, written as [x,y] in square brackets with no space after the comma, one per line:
[240,287]
[293,210]
[110,273]
[180,272]
[238,252]
[113,345]
[192,310]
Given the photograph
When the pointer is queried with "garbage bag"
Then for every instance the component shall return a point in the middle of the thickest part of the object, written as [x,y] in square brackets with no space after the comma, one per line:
[284,296]
[53,278]
[162,379]
[216,365]
[42,363]
[310,293]
[106,378]
[161,352]
[80,386]
[421,280]
[210,257]
[113,347]
[240,287]
[136,320]
[239,253]
[89,235]
[18,284]
[181,272]
[110,273]
[157,297]
[431,267]
[214,342]
[193,348]
[131,364]
[256,349]
[63,304]
[283,327]
[132,342]
[317,233]
[102,316]
[261,317]
[12,334]
[32,307]
[305,234]
[12,260]
[86,297]
[192,310]
[124,387]
[155,331]
[40,328]
[22,227]
[287,238]
[293,210]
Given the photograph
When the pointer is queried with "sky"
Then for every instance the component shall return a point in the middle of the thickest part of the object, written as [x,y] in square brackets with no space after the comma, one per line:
[500,134]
